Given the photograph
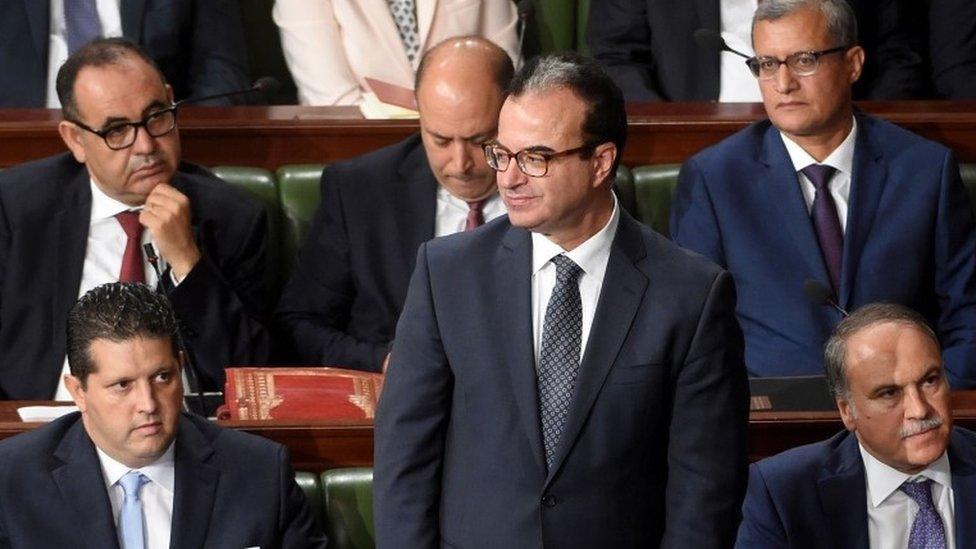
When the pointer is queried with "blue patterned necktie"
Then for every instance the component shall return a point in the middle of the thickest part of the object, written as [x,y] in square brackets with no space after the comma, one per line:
[81,23]
[927,530]
[131,529]
[559,356]
[405,16]
[825,221]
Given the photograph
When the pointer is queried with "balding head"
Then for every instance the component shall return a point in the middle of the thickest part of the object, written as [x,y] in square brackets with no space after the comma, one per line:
[460,89]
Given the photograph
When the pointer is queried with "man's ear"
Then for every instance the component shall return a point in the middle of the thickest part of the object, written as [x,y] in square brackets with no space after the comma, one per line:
[847,413]
[74,387]
[855,60]
[71,135]
[604,156]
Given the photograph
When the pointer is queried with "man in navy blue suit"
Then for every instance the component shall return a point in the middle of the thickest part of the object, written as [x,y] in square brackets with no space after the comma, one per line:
[900,475]
[563,376]
[130,470]
[868,210]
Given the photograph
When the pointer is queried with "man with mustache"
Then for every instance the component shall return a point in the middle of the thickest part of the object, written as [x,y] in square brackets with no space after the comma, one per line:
[74,221]
[900,474]
[341,305]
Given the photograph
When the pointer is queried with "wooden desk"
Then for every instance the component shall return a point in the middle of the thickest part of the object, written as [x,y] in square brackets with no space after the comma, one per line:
[316,446]
[273,136]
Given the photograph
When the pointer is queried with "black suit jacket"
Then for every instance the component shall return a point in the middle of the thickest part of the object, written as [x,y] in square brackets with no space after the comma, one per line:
[813,497]
[952,47]
[653,449]
[232,490]
[648,47]
[45,209]
[198,44]
[342,303]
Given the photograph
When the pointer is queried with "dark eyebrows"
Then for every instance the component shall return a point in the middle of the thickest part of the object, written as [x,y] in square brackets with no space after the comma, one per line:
[483,136]
[150,108]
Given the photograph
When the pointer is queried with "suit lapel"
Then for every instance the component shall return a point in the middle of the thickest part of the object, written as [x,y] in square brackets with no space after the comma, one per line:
[425,18]
[385,30]
[962,464]
[867,185]
[195,487]
[513,290]
[39,19]
[80,481]
[415,205]
[842,482]
[785,204]
[620,297]
[132,14]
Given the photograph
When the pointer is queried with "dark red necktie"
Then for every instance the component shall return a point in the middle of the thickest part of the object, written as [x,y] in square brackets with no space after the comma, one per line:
[475,217]
[133,269]
[825,221]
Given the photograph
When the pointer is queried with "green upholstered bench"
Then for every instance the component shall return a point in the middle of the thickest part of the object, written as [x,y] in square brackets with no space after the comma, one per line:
[312,487]
[299,193]
[623,187]
[348,497]
[968,173]
[653,189]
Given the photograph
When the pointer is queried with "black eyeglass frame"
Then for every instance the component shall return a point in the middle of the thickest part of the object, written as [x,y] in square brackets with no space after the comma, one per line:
[753,62]
[144,124]
[546,155]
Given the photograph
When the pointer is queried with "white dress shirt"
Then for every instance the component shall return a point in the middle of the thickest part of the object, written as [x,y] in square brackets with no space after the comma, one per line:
[736,82]
[156,495]
[841,159]
[452,212]
[57,44]
[591,256]
[891,512]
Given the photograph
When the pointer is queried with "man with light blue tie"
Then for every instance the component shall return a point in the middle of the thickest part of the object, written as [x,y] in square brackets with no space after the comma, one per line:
[129,470]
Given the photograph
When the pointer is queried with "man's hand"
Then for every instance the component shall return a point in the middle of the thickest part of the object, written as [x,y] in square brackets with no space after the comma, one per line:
[167,216]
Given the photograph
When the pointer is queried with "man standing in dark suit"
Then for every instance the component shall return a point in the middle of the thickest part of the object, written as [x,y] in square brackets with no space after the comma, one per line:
[341,305]
[901,476]
[130,471]
[952,47]
[198,44]
[648,47]
[564,376]
[74,221]
[867,209]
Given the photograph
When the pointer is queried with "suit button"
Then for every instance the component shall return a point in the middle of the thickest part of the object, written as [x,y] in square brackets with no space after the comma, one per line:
[549,500]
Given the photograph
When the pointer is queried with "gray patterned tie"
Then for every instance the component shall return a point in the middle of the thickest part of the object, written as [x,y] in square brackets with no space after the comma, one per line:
[81,23]
[405,15]
[927,530]
[559,355]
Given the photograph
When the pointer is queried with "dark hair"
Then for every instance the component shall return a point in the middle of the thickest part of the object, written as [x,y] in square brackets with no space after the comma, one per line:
[835,351]
[606,117]
[118,311]
[498,62]
[97,53]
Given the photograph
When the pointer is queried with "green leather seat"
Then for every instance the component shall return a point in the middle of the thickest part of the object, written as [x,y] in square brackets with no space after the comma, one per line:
[552,29]
[261,185]
[348,496]
[312,487]
[653,188]
[299,193]
[623,187]
[968,173]
[582,16]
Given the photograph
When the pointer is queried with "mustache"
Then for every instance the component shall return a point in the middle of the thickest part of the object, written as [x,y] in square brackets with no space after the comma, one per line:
[142,160]
[921,426]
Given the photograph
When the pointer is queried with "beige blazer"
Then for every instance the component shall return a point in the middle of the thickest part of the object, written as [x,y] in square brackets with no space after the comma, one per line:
[331,46]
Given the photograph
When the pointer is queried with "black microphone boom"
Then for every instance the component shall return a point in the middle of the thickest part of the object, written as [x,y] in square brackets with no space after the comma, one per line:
[266,85]
[711,40]
[818,294]
[526,13]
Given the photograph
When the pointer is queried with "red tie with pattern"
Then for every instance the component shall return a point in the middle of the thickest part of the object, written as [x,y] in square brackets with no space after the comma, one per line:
[475,217]
[133,269]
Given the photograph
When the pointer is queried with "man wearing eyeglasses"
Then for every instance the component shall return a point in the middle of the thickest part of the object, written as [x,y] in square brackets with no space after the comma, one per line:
[819,192]
[563,376]
[74,221]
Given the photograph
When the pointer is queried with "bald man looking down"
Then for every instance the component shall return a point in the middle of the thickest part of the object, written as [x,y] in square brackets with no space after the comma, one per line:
[341,305]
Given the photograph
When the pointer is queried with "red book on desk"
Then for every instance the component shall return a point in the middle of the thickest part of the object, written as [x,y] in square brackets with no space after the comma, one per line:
[300,393]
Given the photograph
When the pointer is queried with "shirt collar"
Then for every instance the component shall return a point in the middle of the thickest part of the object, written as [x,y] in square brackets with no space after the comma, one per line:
[841,159]
[884,480]
[103,205]
[445,195]
[161,471]
[589,255]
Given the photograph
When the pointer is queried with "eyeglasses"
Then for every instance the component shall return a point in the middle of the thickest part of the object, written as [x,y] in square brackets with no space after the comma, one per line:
[532,163]
[121,135]
[801,63]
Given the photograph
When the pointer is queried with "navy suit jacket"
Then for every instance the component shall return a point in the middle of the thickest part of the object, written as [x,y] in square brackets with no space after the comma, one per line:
[45,213]
[814,496]
[343,300]
[653,449]
[648,48]
[198,44]
[952,47]
[909,239]
[231,490]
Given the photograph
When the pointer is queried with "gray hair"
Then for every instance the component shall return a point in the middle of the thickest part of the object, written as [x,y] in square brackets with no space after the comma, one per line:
[835,351]
[841,22]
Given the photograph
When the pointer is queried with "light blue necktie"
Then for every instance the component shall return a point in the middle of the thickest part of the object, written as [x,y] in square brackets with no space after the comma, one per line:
[81,23]
[927,530]
[131,529]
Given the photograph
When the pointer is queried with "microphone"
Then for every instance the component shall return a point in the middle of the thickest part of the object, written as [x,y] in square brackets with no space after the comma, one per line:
[526,13]
[267,86]
[818,294]
[711,40]
[191,371]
